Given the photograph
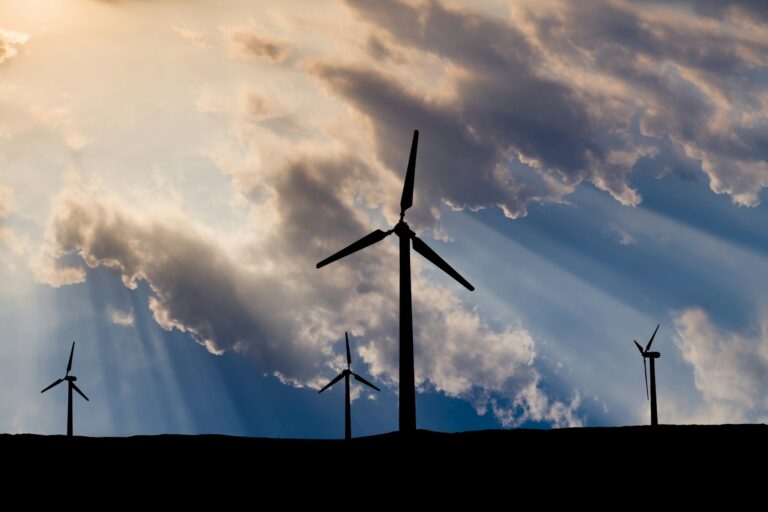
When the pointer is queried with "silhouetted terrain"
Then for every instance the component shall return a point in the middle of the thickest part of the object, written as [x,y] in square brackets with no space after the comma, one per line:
[572,456]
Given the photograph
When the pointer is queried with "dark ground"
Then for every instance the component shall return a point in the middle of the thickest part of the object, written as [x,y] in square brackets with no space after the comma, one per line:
[554,464]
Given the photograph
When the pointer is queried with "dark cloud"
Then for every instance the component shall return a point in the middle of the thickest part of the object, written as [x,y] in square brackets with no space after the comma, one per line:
[721,8]
[379,50]
[252,45]
[691,85]
[511,138]
[584,92]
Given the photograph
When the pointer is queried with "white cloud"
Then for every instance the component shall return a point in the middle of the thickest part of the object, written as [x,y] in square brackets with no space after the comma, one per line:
[196,38]
[624,236]
[117,317]
[9,41]
[730,369]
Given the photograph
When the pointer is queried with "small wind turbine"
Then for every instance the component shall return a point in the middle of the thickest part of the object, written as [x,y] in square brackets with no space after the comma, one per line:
[71,383]
[401,229]
[345,374]
[652,356]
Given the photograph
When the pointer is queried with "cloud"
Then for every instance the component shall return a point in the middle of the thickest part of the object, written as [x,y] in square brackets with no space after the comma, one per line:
[693,84]
[560,94]
[624,236]
[509,135]
[8,43]
[730,369]
[196,38]
[249,45]
[263,298]
[380,51]
[739,9]
[124,318]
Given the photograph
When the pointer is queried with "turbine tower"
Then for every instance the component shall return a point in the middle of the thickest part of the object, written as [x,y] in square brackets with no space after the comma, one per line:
[71,385]
[652,356]
[401,229]
[345,374]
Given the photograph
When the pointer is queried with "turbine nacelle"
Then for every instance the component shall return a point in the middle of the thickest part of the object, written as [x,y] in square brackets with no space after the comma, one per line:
[403,230]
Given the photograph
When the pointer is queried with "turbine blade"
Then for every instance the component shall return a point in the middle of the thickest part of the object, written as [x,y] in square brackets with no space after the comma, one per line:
[349,356]
[52,385]
[74,386]
[369,239]
[71,353]
[360,379]
[648,347]
[334,381]
[645,371]
[640,348]
[406,201]
[423,249]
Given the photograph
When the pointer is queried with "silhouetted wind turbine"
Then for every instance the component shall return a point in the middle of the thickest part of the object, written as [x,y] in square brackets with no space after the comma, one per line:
[652,356]
[345,374]
[71,382]
[401,229]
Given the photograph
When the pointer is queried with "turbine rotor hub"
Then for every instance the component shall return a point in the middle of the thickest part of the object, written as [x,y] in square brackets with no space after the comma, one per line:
[402,229]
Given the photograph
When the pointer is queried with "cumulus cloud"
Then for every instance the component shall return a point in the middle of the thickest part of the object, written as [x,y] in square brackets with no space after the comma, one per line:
[264,298]
[730,369]
[9,42]
[250,45]
[124,318]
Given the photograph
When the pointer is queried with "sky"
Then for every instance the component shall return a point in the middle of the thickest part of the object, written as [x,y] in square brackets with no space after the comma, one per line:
[172,170]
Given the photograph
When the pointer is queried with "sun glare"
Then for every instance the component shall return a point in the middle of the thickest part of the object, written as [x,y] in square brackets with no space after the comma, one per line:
[40,14]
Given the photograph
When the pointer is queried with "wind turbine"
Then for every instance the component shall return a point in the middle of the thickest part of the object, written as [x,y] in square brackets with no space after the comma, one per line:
[71,383]
[345,374]
[401,229]
[652,356]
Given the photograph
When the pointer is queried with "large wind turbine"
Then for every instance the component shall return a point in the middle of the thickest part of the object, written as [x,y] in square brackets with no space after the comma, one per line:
[71,385]
[345,375]
[401,229]
[652,356]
